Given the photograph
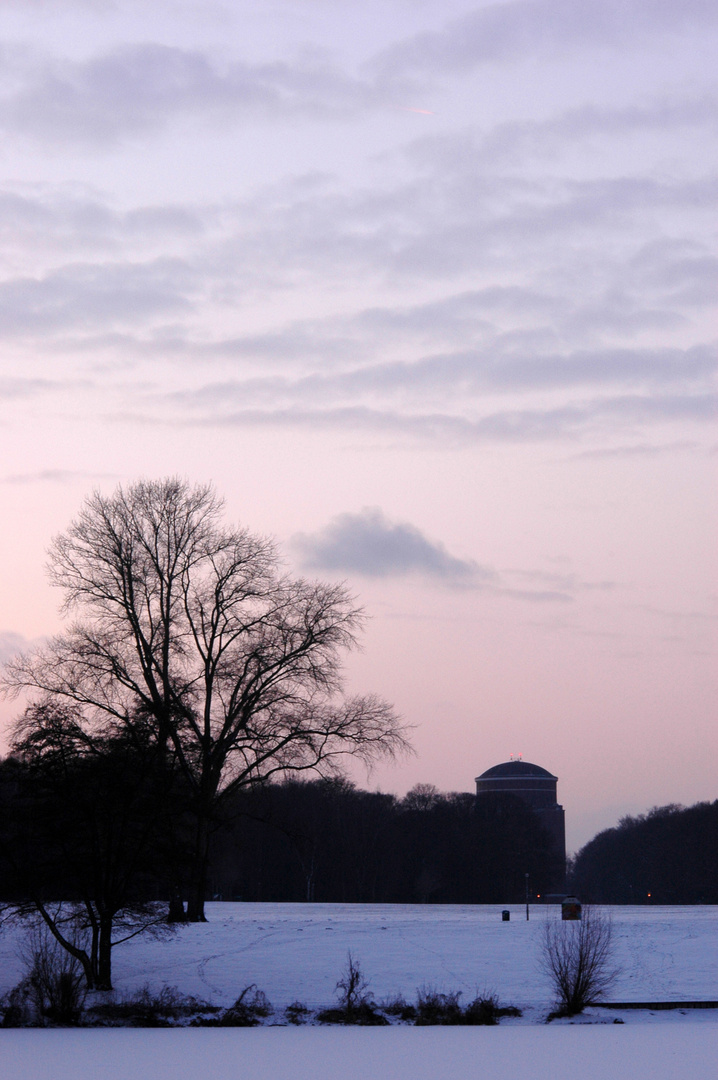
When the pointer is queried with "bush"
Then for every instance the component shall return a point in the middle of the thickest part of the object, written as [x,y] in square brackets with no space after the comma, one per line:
[297,1013]
[398,1007]
[53,991]
[482,1011]
[248,1010]
[576,956]
[16,1008]
[433,1007]
[355,1001]
[485,1010]
[353,988]
[364,1015]
[146,1008]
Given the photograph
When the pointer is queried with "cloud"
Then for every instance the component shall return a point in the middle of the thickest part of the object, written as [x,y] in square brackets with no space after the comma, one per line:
[527,425]
[55,476]
[638,450]
[508,32]
[552,232]
[520,142]
[452,222]
[12,388]
[561,584]
[51,7]
[682,272]
[599,417]
[372,546]
[369,544]
[11,644]
[91,294]
[464,377]
[57,216]
[137,88]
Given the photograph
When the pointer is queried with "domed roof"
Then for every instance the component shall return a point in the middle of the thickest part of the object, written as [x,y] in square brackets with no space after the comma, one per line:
[516,768]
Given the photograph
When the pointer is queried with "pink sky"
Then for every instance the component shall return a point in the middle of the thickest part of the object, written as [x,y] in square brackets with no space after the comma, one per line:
[428,291]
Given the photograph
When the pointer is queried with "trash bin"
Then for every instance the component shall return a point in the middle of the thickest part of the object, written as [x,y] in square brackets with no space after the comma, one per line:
[505,916]
[570,909]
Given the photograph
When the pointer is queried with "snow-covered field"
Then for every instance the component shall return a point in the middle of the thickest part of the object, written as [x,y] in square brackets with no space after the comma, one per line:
[686,1052]
[297,952]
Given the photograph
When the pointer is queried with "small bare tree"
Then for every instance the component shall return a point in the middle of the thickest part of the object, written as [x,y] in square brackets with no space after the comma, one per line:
[353,987]
[577,957]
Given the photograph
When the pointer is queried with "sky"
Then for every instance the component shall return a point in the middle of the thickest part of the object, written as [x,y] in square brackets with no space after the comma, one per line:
[428,291]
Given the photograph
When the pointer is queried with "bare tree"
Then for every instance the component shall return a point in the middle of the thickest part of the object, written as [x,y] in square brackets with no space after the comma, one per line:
[195,627]
[421,797]
[577,957]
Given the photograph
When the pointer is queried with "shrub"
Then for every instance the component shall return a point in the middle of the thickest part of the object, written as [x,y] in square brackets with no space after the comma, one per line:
[485,1010]
[353,988]
[16,1008]
[576,956]
[54,987]
[482,1011]
[364,1015]
[398,1007]
[146,1008]
[248,1010]
[297,1013]
[433,1007]
[355,1001]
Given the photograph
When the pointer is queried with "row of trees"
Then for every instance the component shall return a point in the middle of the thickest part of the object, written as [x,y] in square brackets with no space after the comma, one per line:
[106,824]
[667,856]
[329,841]
[196,655]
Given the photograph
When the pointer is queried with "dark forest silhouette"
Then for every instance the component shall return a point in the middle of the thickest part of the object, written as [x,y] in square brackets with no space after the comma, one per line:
[68,826]
[667,856]
[330,841]
[97,841]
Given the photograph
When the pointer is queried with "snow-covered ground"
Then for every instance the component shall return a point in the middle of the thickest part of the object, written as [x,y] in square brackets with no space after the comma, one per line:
[687,1052]
[297,952]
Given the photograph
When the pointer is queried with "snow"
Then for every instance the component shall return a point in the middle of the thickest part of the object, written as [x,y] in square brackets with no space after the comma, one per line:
[297,952]
[642,1052]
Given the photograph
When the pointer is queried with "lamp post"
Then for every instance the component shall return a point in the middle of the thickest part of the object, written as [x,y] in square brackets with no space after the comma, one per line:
[527,897]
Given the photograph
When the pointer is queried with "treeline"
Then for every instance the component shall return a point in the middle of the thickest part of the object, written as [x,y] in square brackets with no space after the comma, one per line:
[117,827]
[667,856]
[329,841]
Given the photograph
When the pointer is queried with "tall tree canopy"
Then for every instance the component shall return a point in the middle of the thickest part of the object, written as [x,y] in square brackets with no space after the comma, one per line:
[194,626]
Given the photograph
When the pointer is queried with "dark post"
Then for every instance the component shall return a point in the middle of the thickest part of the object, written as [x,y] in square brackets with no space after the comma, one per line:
[527,898]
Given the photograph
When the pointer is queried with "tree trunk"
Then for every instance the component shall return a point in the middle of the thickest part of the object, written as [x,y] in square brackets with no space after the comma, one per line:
[104,954]
[198,873]
[176,912]
[94,938]
[80,954]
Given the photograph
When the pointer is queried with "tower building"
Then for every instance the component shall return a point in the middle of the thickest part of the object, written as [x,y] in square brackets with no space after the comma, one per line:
[537,788]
